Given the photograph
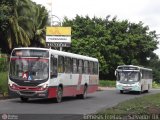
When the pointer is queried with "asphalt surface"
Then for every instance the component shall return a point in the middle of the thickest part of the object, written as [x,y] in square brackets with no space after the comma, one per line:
[70,109]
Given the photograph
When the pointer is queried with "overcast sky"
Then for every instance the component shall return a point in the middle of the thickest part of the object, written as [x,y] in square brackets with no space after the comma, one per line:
[147,11]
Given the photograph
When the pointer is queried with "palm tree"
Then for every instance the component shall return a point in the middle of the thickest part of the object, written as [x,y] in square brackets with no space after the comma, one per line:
[39,22]
[16,34]
[22,23]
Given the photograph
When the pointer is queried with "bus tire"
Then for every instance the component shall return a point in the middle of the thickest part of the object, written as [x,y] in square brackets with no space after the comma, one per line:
[59,94]
[24,99]
[84,95]
[140,92]
[121,91]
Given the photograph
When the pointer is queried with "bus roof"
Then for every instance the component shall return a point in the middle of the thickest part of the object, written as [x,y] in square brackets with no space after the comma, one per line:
[134,66]
[62,53]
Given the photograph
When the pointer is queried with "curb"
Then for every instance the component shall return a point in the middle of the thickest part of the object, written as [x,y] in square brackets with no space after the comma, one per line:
[106,88]
[2,97]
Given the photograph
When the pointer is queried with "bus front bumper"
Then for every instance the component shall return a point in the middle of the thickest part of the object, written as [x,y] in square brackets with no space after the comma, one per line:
[132,87]
[28,94]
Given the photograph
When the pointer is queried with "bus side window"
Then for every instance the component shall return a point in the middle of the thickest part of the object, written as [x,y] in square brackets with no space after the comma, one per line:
[53,72]
[75,65]
[68,65]
[80,66]
[91,67]
[95,68]
[60,64]
[86,67]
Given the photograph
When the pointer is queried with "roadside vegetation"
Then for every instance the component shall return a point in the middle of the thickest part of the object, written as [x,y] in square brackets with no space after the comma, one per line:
[107,83]
[3,83]
[148,104]
[3,74]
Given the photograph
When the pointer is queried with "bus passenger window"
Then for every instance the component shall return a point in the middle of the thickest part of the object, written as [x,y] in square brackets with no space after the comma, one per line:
[80,67]
[68,65]
[60,64]
[91,67]
[86,67]
[74,65]
[95,68]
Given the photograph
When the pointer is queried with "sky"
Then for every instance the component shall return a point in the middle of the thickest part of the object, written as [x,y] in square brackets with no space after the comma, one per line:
[147,11]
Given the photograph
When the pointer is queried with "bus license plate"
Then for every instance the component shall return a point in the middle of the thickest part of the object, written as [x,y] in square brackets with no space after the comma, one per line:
[126,88]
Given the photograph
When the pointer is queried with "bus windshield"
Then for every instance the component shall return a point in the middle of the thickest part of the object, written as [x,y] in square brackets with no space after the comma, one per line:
[29,68]
[130,76]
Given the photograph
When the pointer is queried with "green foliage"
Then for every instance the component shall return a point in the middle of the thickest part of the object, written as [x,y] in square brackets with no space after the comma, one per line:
[153,63]
[3,83]
[113,42]
[107,83]
[155,85]
[3,64]
[149,104]
[39,16]
[22,23]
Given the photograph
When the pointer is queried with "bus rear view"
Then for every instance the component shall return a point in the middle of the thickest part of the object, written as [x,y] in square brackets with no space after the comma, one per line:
[133,78]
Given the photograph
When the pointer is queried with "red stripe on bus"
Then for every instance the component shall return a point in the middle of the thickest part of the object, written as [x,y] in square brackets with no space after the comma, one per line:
[71,90]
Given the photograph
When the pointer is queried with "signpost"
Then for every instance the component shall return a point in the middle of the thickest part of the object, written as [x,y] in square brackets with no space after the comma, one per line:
[58,36]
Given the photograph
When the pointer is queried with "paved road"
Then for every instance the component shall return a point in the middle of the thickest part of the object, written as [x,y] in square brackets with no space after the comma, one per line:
[69,107]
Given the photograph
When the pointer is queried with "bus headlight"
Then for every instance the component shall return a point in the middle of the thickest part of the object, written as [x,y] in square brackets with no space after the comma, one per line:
[42,88]
[119,85]
[137,84]
[13,86]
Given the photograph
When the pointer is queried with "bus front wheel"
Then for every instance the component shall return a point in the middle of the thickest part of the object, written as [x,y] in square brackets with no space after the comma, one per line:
[140,92]
[24,99]
[121,91]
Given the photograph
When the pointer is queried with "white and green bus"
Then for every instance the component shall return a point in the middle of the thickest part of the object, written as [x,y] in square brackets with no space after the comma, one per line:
[133,78]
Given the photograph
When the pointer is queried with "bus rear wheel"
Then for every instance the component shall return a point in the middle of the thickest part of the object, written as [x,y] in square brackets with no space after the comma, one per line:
[59,94]
[24,99]
[84,95]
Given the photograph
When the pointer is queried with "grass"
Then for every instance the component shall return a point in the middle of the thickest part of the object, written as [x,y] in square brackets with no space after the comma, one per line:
[155,85]
[107,83]
[149,104]
[3,83]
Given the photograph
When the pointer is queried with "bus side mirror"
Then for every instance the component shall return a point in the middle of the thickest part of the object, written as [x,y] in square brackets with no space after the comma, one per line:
[141,75]
[115,73]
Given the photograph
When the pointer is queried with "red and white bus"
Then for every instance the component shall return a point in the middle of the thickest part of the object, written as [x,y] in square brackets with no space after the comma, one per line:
[47,73]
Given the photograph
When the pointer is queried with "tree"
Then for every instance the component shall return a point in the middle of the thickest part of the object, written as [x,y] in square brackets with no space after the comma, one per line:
[113,42]
[11,29]
[38,26]
[22,23]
